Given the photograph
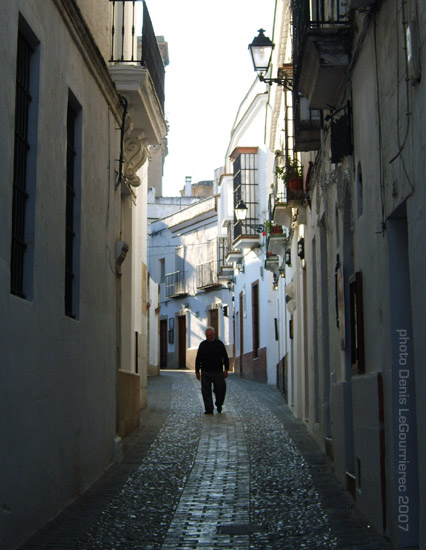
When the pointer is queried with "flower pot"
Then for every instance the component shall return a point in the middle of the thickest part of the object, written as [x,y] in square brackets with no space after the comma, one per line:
[295,184]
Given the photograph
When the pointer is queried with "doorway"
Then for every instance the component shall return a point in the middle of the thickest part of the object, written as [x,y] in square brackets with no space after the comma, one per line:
[241,331]
[182,341]
[163,344]
[214,320]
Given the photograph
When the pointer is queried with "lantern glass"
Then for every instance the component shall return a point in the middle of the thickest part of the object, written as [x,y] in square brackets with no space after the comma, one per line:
[261,51]
[241,211]
[288,257]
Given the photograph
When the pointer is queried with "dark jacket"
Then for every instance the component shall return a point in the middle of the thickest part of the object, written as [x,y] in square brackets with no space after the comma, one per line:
[211,357]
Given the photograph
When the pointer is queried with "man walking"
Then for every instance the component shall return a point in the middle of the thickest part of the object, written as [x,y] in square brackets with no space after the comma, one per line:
[211,358]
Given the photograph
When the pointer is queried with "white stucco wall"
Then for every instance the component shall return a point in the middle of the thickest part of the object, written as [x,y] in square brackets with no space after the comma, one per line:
[57,396]
[195,228]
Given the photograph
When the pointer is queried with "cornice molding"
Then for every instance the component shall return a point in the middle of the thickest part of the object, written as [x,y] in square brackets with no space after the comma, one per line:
[86,44]
[135,84]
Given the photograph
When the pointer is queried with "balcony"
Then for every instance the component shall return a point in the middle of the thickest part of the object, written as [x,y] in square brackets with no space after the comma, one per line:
[207,275]
[282,213]
[287,195]
[272,263]
[321,51]
[245,237]
[137,68]
[234,255]
[307,125]
[132,49]
[276,238]
[176,284]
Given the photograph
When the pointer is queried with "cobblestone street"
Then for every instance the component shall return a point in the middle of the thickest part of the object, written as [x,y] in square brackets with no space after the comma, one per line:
[249,478]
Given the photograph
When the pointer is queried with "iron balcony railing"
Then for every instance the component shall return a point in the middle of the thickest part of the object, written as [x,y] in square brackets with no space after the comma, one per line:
[315,14]
[206,274]
[176,284]
[133,40]
[223,247]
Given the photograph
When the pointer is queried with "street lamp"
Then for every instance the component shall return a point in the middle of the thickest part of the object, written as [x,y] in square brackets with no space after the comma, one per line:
[301,248]
[241,214]
[287,257]
[261,53]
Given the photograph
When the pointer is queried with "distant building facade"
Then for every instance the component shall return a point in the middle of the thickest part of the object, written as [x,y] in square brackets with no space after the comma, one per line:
[186,260]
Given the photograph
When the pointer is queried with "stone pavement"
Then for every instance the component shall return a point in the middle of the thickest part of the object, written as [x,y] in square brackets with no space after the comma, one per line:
[250,478]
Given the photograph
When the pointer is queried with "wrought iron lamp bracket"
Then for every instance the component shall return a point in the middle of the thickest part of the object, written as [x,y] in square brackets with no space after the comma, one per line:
[285,82]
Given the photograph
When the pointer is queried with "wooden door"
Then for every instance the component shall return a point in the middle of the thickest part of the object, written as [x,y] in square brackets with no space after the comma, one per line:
[163,344]
[241,331]
[182,341]
[214,320]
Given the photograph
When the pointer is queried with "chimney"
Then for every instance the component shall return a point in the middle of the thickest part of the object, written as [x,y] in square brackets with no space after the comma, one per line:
[188,186]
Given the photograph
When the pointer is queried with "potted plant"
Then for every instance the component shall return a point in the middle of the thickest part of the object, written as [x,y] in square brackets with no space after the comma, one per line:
[292,174]
[277,230]
[272,228]
[295,177]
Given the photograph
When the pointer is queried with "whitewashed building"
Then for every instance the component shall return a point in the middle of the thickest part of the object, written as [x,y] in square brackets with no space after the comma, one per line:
[359,299]
[187,261]
[70,299]
[259,327]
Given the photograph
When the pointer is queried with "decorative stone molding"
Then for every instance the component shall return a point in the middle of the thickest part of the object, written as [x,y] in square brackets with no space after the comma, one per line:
[134,152]
[135,84]
[135,155]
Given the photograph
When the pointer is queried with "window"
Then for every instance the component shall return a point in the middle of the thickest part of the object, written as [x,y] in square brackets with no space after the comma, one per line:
[162,270]
[357,323]
[72,209]
[214,320]
[255,317]
[24,183]
[222,251]
[246,187]
[359,190]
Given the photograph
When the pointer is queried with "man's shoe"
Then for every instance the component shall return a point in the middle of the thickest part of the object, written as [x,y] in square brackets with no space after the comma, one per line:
[219,409]
[208,412]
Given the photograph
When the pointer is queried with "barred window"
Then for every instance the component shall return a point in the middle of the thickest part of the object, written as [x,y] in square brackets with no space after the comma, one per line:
[246,188]
[23,201]
[72,210]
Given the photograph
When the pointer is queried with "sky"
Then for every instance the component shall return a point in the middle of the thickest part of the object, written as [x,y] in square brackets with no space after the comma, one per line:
[209,74]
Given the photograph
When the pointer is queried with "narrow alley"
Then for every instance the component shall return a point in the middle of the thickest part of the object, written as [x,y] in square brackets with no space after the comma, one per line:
[249,478]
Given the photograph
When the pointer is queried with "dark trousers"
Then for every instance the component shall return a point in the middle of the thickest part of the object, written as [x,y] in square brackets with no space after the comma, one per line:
[219,388]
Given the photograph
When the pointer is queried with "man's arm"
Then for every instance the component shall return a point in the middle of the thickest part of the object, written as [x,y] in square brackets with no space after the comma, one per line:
[198,363]
[225,358]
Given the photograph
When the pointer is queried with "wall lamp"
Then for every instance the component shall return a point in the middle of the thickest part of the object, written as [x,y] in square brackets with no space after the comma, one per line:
[287,257]
[275,282]
[301,248]
[241,214]
[230,284]
[261,52]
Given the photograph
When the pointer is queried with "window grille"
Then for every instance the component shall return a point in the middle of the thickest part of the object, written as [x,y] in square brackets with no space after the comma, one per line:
[175,284]
[223,247]
[206,274]
[71,214]
[246,189]
[22,147]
